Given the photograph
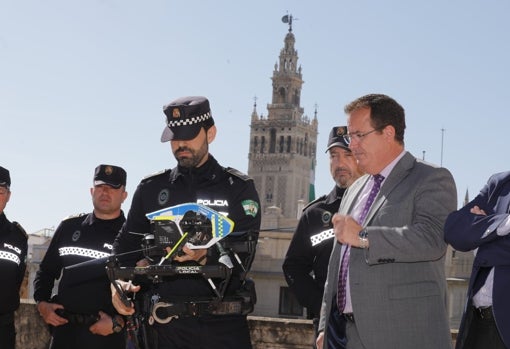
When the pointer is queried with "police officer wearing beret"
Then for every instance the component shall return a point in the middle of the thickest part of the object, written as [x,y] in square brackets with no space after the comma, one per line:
[81,315]
[13,253]
[198,178]
[306,263]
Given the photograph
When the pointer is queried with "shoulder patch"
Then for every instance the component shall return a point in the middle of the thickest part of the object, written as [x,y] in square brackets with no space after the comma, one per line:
[154,174]
[251,208]
[20,229]
[238,173]
[322,198]
[74,216]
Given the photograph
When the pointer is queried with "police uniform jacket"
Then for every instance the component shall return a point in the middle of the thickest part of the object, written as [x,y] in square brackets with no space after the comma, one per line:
[78,239]
[222,189]
[13,252]
[306,265]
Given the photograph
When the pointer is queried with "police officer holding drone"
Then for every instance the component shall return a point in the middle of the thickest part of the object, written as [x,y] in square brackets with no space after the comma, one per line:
[193,310]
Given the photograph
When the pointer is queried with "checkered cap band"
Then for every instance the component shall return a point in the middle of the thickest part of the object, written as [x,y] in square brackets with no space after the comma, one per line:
[190,121]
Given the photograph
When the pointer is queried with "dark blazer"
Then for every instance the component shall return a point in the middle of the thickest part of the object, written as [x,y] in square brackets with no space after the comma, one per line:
[466,231]
[398,285]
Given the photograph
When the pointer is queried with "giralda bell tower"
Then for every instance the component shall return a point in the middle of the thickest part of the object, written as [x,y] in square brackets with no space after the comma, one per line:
[283,145]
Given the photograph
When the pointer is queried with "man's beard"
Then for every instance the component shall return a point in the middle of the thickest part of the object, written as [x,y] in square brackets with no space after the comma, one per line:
[196,156]
[340,177]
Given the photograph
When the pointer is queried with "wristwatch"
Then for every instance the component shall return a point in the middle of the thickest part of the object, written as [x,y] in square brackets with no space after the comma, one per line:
[116,326]
[363,238]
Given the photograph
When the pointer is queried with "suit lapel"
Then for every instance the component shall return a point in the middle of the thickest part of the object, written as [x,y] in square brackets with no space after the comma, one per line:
[351,195]
[397,175]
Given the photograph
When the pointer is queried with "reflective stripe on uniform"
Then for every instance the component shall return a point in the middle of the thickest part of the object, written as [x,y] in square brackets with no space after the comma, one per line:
[318,238]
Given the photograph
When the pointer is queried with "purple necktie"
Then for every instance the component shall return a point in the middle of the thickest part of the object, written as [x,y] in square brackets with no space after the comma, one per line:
[344,263]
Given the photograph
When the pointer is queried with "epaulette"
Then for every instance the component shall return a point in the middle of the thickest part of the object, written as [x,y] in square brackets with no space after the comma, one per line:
[238,173]
[153,174]
[74,216]
[315,201]
[20,229]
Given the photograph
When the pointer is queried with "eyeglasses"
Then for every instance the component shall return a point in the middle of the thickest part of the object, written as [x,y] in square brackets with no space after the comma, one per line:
[358,135]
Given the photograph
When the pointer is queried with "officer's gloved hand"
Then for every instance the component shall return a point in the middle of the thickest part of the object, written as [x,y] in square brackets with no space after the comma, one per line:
[197,255]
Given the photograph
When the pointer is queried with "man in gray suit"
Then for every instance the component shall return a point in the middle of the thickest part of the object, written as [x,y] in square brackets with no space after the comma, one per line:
[392,287]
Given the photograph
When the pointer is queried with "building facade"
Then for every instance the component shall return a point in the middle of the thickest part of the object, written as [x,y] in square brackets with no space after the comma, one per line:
[282,158]
[283,145]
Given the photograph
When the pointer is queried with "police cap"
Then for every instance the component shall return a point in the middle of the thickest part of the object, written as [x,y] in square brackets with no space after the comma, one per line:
[114,176]
[336,138]
[185,117]
[5,178]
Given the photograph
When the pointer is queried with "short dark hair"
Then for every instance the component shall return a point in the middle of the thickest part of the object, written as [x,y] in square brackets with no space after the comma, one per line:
[384,111]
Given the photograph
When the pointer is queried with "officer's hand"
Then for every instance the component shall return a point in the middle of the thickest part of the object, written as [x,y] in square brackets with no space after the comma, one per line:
[319,341]
[116,300]
[103,326]
[47,311]
[190,255]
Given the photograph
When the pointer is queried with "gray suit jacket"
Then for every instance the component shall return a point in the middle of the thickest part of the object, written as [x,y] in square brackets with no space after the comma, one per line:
[398,285]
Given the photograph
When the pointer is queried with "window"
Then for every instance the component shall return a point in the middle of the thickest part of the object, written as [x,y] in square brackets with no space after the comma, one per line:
[272,141]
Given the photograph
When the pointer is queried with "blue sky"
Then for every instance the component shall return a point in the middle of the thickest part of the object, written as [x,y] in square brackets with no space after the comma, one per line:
[84,82]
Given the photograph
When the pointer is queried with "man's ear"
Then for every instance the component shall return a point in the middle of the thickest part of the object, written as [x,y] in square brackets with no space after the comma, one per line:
[124,195]
[211,134]
[389,132]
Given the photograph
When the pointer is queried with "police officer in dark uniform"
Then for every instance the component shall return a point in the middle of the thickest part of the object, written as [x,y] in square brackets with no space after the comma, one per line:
[198,178]
[306,262]
[81,315]
[13,253]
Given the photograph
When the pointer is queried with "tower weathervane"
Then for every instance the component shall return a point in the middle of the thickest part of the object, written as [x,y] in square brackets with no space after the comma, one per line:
[288,19]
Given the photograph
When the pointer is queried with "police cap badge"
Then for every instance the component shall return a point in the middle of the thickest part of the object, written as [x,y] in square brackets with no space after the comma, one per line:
[336,138]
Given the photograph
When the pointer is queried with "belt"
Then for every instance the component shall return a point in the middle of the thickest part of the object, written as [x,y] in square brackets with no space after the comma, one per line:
[164,312]
[348,316]
[78,318]
[484,313]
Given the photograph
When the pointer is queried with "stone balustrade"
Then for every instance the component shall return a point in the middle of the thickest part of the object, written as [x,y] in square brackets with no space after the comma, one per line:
[266,333]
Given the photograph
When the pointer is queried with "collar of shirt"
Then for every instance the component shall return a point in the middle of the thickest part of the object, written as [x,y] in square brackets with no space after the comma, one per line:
[387,170]
[92,219]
